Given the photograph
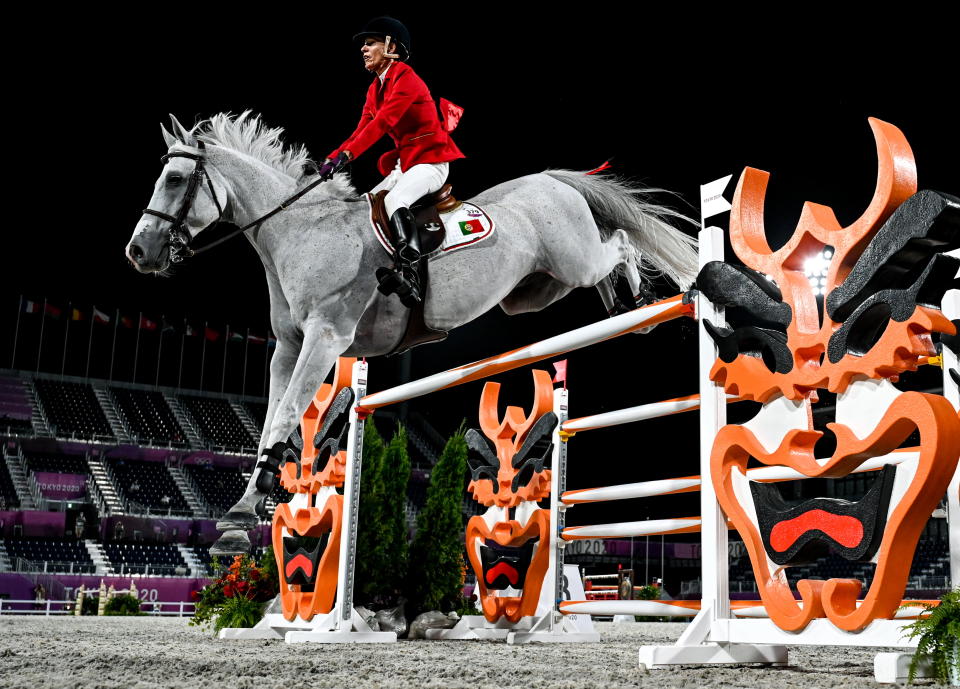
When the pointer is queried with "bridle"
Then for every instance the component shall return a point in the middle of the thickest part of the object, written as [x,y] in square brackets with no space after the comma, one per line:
[179,239]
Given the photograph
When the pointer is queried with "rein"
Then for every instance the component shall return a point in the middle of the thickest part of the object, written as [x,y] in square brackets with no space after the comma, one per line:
[179,237]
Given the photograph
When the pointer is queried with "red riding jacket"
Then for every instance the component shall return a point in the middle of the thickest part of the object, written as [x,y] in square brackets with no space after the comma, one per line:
[401,107]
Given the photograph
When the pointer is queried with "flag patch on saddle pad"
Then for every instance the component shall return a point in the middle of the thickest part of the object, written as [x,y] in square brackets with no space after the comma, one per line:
[463,226]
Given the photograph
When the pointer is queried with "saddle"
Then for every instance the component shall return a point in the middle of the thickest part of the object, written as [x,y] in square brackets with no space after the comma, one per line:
[426,212]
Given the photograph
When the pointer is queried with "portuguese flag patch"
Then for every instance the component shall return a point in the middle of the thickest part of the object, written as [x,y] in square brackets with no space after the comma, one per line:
[470,226]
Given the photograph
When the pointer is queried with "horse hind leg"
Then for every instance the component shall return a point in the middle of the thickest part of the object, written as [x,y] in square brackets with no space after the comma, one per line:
[624,289]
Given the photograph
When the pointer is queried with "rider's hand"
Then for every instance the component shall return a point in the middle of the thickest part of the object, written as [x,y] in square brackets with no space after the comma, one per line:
[330,167]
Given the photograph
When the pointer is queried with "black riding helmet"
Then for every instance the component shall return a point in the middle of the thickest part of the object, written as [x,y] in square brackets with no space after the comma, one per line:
[388,26]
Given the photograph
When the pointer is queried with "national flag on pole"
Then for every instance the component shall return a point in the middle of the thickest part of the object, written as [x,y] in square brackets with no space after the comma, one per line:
[100,317]
[32,306]
[256,339]
[271,340]
[189,330]
[470,226]
[147,324]
[54,311]
[210,333]
[76,315]
[126,322]
[561,368]
[236,337]
[168,327]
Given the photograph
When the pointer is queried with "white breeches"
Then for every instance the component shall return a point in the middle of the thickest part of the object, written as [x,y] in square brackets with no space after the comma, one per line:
[406,187]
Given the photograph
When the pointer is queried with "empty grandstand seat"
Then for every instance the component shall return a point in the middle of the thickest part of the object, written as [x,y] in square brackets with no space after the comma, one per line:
[220,487]
[218,423]
[59,555]
[15,408]
[9,500]
[148,417]
[145,558]
[62,464]
[257,411]
[148,484]
[73,409]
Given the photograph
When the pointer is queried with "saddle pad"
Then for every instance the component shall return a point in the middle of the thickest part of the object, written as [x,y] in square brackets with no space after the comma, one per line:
[464,225]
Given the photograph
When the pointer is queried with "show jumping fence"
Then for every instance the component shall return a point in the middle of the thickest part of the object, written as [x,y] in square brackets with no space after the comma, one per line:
[722,631]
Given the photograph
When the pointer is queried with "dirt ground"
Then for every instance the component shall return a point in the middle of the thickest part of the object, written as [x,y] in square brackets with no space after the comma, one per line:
[150,653]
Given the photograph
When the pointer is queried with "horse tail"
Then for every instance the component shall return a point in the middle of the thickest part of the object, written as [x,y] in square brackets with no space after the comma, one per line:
[616,203]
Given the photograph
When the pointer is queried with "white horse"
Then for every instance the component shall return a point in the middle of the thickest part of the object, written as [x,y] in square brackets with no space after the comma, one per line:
[555,231]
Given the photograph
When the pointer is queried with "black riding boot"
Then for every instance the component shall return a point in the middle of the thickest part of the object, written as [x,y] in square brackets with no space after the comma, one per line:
[404,278]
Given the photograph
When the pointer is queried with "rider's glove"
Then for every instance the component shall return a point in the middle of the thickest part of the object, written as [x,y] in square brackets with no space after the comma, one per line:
[330,167]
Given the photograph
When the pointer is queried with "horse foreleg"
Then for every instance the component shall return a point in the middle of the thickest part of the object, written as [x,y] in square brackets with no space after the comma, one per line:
[320,349]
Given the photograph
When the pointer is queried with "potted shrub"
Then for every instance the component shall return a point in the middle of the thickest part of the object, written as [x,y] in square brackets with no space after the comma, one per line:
[238,595]
[939,642]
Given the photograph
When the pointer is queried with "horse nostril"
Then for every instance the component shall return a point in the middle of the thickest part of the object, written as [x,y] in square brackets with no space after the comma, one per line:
[136,252]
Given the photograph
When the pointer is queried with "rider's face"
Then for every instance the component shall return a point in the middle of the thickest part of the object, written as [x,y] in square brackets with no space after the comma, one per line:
[373,51]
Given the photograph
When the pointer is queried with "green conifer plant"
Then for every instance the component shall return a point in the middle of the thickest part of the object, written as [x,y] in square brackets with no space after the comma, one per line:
[436,556]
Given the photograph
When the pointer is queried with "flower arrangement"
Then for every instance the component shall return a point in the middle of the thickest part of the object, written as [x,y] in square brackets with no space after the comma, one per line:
[238,594]
[939,643]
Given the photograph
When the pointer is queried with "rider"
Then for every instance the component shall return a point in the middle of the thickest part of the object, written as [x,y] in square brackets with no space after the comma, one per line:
[399,104]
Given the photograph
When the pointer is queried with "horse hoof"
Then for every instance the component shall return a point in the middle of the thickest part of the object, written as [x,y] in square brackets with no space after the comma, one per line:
[231,543]
[235,520]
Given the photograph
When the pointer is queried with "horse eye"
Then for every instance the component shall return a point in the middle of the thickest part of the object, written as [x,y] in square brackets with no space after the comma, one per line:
[174,180]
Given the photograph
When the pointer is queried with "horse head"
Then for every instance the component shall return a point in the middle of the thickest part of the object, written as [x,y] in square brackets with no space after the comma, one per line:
[188,196]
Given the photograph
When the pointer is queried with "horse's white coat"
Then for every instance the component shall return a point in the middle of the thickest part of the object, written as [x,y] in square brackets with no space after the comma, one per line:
[320,255]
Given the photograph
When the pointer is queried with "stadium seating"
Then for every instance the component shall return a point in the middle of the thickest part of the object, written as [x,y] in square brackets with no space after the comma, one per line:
[257,411]
[8,494]
[148,484]
[218,423]
[59,555]
[73,409]
[219,487]
[63,464]
[15,410]
[145,558]
[148,417]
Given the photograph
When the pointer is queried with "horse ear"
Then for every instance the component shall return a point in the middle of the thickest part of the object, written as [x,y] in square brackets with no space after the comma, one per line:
[182,133]
[168,138]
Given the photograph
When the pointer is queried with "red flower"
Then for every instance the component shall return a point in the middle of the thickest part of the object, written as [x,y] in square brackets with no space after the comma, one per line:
[195,595]
[241,586]
[228,591]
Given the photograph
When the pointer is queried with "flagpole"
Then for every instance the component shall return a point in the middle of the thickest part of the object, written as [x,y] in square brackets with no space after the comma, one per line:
[203,354]
[43,322]
[113,346]
[136,348]
[16,333]
[93,317]
[66,336]
[246,348]
[223,371]
[183,339]
[163,322]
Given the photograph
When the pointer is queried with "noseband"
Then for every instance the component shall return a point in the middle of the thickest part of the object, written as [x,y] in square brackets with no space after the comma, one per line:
[179,235]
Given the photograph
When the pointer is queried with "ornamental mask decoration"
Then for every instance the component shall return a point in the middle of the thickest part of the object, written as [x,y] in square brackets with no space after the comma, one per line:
[508,545]
[883,291]
[307,530]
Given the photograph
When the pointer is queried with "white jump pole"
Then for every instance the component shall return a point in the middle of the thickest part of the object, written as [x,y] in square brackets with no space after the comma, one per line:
[951,309]
[591,334]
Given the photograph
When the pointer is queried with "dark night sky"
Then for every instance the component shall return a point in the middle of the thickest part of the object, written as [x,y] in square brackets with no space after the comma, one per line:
[674,105]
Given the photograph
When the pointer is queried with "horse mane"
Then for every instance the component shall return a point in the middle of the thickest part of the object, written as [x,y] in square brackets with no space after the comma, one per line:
[246,133]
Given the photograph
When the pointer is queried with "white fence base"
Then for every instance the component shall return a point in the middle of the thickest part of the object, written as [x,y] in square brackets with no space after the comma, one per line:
[659,657]
[563,631]
[325,631]
[476,627]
